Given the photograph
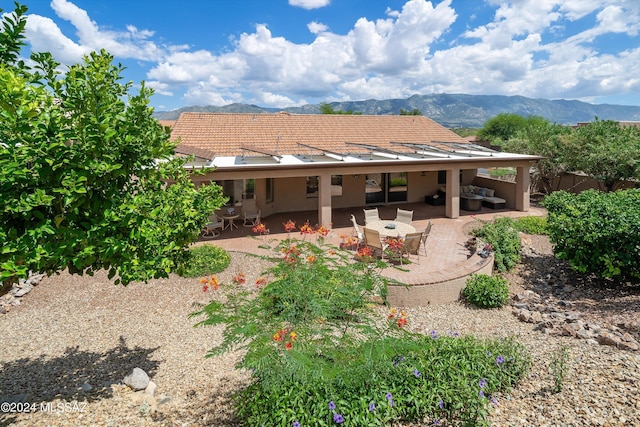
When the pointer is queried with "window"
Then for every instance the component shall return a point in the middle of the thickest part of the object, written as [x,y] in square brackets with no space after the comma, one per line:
[312,186]
[269,190]
[248,192]
[336,185]
[313,183]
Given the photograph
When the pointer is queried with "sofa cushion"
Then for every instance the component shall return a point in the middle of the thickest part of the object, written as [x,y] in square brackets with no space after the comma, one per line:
[489,192]
[494,199]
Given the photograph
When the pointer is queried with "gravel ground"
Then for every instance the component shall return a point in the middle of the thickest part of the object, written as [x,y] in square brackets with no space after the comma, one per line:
[73,332]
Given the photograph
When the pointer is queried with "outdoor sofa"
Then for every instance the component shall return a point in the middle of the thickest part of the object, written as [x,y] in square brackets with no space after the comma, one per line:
[489,198]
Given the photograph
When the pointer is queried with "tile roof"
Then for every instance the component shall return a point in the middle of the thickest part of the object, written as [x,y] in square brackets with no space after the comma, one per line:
[226,134]
[167,123]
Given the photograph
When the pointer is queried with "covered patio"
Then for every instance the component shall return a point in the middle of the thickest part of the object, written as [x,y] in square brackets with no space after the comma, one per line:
[298,162]
[439,276]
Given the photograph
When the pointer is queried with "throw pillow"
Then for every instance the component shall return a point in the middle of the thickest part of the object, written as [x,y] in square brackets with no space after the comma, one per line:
[490,192]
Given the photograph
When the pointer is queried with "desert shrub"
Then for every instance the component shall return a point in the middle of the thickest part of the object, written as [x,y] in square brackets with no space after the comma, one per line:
[502,234]
[486,291]
[203,260]
[319,352]
[597,232]
[532,225]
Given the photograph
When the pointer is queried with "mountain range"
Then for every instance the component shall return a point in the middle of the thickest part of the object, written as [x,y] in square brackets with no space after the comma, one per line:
[450,110]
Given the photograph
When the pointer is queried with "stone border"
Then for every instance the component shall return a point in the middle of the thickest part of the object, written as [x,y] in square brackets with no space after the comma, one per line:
[439,287]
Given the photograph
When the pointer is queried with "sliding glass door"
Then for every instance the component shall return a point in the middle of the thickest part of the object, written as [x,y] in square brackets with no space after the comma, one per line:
[386,187]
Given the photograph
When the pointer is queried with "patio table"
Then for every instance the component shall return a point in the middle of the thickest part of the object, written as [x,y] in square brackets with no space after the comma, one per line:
[230,221]
[389,228]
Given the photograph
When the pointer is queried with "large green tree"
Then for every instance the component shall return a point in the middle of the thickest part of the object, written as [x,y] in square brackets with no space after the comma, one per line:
[502,127]
[605,151]
[542,138]
[88,179]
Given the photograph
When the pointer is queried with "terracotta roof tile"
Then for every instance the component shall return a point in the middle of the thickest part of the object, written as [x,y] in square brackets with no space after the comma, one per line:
[224,134]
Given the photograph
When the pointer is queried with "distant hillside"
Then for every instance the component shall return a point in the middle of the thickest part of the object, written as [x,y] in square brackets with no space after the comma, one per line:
[453,111]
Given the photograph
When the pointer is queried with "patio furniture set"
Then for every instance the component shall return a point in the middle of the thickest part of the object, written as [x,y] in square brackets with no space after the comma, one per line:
[472,198]
[394,239]
[226,220]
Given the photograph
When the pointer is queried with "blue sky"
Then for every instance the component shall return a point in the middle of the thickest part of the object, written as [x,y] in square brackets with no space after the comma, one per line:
[281,53]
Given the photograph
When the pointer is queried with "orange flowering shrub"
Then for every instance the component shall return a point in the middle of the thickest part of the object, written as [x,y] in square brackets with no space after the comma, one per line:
[260,228]
[281,337]
[239,279]
[289,226]
[401,320]
[210,283]
[322,231]
[306,229]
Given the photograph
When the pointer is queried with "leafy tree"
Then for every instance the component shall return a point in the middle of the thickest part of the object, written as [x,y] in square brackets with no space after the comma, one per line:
[12,35]
[326,108]
[502,127]
[542,138]
[87,176]
[597,232]
[414,112]
[605,151]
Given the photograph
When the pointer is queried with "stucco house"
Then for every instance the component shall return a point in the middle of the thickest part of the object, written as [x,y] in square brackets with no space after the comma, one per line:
[295,162]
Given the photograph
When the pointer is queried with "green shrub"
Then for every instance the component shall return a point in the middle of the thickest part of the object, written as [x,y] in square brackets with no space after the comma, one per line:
[502,234]
[499,172]
[532,225]
[486,291]
[319,353]
[597,232]
[203,260]
[397,182]
[425,379]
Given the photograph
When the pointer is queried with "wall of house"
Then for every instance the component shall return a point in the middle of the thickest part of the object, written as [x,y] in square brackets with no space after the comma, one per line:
[468,176]
[421,184]
[353,192]
[290,195]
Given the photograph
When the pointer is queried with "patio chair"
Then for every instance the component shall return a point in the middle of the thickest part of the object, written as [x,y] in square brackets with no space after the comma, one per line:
[425,236]
[250,213]
[371,215]
[411,246]
[373,241]
[404,216]
[214,227]
[358,232]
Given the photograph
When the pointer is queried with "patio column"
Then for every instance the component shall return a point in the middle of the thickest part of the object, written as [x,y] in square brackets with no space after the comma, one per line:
[324,199]
[452,205]
[522,188]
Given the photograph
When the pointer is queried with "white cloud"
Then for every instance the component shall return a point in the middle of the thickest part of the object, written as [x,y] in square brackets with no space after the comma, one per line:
[160,88]
[44,35]
[317,27]
[394,57]
[309,4]
[528,47]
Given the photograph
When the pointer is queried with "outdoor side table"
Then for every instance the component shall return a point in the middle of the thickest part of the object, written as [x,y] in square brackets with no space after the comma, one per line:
[470,202]
[230,221]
